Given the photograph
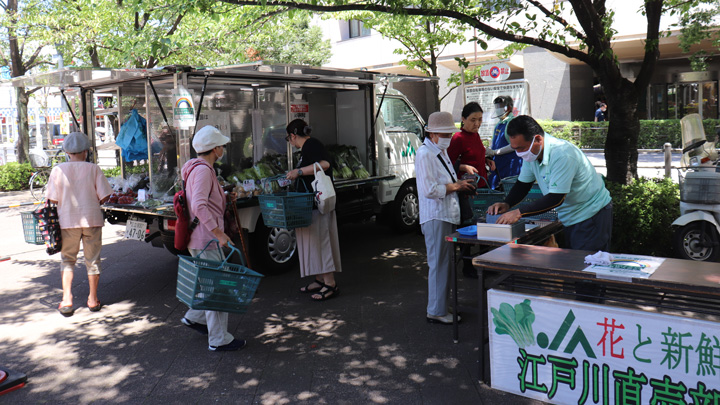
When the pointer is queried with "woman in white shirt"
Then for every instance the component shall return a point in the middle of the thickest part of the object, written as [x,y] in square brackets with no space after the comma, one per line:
[438,185]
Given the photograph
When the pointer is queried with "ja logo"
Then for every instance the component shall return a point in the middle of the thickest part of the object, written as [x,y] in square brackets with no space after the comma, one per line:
[578,337]
[409,151]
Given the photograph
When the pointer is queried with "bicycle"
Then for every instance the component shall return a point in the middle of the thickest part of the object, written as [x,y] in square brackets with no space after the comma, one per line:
[43,165]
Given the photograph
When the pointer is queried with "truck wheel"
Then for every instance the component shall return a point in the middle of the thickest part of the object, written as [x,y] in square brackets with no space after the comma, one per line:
[273,250]
[697,241]
[168,240]
[406,209]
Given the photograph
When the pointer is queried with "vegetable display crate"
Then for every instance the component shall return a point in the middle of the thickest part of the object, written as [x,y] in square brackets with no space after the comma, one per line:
[534,194]
[483,199]
[216,286]
[287,209]
[31,228]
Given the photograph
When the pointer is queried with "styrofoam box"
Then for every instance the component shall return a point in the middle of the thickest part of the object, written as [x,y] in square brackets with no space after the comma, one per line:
[500,232]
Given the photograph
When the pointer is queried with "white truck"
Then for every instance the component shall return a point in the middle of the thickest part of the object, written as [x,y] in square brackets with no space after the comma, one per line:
[253,104]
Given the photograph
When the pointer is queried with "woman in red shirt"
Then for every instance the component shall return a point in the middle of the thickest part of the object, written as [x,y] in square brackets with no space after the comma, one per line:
[468,146]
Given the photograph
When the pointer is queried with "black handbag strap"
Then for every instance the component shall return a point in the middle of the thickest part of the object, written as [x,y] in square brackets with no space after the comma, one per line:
[446,168]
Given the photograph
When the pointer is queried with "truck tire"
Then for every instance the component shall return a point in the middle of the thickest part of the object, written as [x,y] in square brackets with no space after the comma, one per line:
[273,250]
[697,241]
[405,212]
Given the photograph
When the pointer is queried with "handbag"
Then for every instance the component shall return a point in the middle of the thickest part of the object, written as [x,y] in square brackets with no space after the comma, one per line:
[325,197]
[49,225]
[466,213]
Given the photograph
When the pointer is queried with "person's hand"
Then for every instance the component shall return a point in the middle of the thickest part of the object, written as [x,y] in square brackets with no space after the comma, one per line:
[468,169]
[224,240]
[464,185]
[509,217]
[490,163]
[498,208]
[292,174]
[232,196]
[489,153]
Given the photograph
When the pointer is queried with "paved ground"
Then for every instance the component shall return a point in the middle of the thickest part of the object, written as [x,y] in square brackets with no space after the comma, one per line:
[369,345]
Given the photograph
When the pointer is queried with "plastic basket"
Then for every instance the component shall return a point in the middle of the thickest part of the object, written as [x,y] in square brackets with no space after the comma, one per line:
[216,286]
[31,228]
[699,187]
[534,194]
[483,199]
[287,209]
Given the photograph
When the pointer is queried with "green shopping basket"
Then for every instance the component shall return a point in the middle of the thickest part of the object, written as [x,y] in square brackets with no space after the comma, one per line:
[286,209]
[216,286]
[534,194]
[31,228]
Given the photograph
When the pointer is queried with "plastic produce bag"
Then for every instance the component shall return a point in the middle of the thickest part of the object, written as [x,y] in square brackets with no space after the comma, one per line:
[324,190]
[132,138]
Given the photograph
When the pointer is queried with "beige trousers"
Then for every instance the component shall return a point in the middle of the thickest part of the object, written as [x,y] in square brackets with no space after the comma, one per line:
[92,244]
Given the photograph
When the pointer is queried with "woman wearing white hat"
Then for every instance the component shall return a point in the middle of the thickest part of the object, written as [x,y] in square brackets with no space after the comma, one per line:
[438,185]
[206,201]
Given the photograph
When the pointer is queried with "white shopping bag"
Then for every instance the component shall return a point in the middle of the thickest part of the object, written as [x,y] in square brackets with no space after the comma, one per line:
[324,190]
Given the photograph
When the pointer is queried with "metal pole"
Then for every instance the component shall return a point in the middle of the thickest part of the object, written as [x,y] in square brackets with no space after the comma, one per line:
[668,158]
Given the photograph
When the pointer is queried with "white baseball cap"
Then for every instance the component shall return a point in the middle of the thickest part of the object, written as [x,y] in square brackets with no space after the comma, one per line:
[76,142]
[207,138]
[441,122]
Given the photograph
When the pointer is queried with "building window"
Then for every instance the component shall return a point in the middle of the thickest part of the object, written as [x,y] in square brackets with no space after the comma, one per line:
[357,29]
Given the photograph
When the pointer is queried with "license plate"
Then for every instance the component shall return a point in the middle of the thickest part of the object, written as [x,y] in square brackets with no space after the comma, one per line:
[135,230]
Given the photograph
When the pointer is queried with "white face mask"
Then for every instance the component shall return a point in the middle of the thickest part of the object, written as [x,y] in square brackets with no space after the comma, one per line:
[499,112]
[443,143]
[219,158]
[528,156]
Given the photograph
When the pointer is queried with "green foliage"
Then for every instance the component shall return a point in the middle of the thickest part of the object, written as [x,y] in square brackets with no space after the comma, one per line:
[698,22]
[653,133]
[643,212]
[115,171]
[15,176]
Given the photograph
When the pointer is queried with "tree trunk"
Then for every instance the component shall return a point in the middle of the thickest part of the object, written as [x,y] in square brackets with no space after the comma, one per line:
[623,130]
[22,146]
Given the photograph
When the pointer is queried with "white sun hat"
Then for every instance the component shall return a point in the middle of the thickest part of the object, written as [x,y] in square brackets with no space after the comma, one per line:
[441,122]
[207,138]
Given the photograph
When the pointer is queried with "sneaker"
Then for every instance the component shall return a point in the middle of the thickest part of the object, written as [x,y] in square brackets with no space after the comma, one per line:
[236,344]
[446,319]
[194,325]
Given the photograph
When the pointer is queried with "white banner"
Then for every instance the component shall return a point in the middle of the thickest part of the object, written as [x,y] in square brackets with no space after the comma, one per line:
[485,93]
[570,352]
[183,108]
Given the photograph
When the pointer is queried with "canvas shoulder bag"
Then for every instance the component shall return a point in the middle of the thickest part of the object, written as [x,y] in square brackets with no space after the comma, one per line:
[325,197]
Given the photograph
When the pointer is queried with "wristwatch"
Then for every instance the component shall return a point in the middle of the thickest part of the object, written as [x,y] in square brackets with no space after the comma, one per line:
[299,172]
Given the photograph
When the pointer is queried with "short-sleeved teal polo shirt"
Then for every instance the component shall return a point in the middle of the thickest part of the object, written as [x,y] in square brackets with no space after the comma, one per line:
[566,170]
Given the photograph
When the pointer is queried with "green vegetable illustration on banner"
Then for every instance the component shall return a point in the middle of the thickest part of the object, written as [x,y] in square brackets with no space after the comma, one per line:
[516,322]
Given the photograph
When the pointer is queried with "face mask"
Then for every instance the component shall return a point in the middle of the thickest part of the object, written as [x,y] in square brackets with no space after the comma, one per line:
[499,112]
[528,156]
[443,143]
[219,158]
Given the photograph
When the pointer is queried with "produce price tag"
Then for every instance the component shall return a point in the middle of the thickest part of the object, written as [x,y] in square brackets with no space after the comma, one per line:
[284,182]
[249,185]
[135,229]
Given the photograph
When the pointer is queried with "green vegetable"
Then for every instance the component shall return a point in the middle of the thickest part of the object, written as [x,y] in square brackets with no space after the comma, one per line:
[516,322]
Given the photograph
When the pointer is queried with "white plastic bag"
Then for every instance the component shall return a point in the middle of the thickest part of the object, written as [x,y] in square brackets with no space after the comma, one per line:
[324,190]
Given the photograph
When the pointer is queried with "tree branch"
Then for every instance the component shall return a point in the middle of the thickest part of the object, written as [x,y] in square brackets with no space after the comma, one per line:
[557,19]
[467,19]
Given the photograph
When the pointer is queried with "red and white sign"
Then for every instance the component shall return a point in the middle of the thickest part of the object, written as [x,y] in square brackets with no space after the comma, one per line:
[300,109]
[495,72]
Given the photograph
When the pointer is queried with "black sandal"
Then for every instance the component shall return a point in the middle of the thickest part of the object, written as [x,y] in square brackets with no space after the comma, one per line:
[326,293]
[307,288]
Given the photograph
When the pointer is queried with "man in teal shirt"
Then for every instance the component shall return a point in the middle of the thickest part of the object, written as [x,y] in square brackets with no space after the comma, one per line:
[568,182]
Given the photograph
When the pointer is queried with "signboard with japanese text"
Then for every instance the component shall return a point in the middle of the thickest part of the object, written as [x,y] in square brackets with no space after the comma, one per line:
[485,93]
[495,72]
[300,109]
[570,352]
[183,108]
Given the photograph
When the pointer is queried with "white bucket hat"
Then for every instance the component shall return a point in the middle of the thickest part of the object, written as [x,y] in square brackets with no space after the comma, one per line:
[76,142]
[441,122]
[207,138]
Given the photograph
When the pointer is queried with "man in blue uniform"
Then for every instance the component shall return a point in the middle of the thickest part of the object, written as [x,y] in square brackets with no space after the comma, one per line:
[506,163]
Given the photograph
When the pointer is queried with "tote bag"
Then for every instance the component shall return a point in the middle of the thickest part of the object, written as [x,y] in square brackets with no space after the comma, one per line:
[49,223]
[324,191]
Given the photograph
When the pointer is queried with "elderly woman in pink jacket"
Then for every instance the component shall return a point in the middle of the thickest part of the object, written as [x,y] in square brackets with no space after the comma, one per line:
[206,201]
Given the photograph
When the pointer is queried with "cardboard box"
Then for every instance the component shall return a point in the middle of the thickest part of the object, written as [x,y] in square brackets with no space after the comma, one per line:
[505,233]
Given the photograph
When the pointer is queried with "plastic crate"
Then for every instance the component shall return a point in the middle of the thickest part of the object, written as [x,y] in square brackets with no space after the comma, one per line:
[216,286]
[287,209]
[534,194]
[31,229]
[700,187]
[483,199]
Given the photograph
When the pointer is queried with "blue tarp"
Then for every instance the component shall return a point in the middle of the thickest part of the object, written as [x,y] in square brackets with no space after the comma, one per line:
[132,138]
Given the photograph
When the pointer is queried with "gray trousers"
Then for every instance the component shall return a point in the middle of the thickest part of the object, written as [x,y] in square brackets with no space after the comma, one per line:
[440,260]
[217,322]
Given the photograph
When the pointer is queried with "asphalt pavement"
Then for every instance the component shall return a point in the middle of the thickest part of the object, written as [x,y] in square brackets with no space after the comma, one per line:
[369,345]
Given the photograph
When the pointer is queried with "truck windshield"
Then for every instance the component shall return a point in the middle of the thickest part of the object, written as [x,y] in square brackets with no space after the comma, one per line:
[399,117]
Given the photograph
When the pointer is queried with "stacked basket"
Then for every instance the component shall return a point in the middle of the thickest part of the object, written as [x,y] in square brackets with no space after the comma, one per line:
[534,194]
